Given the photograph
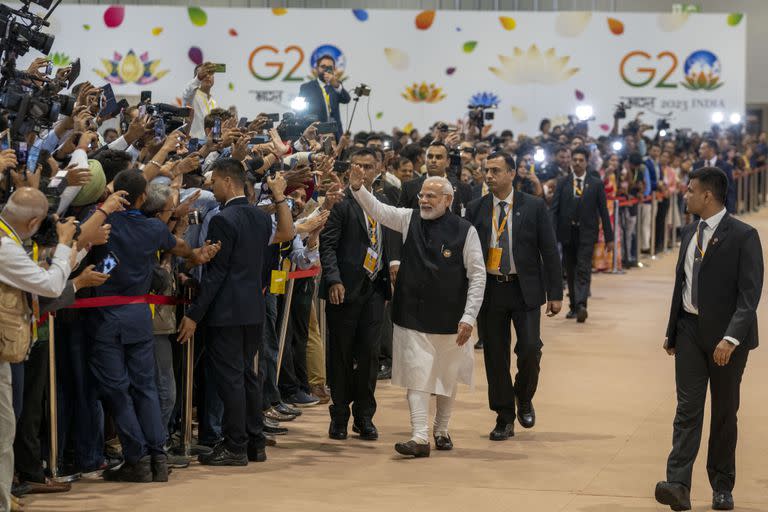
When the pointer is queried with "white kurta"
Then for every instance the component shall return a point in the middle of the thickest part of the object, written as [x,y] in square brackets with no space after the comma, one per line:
[432,363]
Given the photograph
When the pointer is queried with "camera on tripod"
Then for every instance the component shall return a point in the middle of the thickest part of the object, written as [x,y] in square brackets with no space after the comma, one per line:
[479,114]
[362,90]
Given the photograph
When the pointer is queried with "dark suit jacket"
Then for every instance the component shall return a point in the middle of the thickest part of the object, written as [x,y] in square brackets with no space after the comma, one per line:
[730,202]
[593,208]
[534,248]
[343,245]
[231,291]
[391,192]
[409,195]
[312,93]
[730,284]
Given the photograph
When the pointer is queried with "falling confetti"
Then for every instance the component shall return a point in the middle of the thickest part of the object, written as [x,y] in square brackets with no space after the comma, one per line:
[178,101]
[735,18]
[157,31]
[617,27]
[114,16]
[408,128]
[507,22]
[233,32]
[360,14]
[231,86]
[450,71]
[379,115]
[86,27]
[469,46]
[398,59]
[197,16]
[579,95]
[458,29]
[605,127]
[279,11]
[195,54]
[519,114]
[424,19]
[572,24]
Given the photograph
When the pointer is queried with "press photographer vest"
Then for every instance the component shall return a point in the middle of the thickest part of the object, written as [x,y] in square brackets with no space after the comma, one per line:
[431,287]
[15,320]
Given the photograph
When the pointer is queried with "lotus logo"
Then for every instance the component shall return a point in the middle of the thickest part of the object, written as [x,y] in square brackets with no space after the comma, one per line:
[423,93]
[702,71]
[130,69]
[484,100]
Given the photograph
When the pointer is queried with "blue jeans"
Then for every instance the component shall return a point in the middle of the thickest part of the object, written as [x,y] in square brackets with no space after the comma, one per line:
[268,356]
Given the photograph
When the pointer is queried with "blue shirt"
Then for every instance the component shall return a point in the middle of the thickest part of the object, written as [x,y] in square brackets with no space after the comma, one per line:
[135,240]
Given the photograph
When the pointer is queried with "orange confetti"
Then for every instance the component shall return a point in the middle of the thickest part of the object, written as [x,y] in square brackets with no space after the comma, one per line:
[233,32]
[617,27]
[157,31]
[507,22]
[424,19]
[279,11]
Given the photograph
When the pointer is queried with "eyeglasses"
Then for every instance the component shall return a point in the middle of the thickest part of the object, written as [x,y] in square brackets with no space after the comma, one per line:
[430,196]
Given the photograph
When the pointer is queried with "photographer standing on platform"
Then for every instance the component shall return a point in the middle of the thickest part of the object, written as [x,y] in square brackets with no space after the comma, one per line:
[324,95]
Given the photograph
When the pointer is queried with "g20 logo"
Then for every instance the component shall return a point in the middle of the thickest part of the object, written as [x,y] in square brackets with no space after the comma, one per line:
[266,62]
[701,70]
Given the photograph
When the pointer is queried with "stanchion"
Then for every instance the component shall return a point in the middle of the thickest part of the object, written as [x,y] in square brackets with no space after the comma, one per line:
[638,230]
[617,238]
[53,411]
[674,206]
[284,324]
[753,191]
[739,195]
[188,356]
[654,213]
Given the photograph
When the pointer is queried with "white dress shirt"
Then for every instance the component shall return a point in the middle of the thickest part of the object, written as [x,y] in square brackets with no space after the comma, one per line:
[399,219]
[323,91]
[583,179]
[690,255]
[495,237]
[201,105]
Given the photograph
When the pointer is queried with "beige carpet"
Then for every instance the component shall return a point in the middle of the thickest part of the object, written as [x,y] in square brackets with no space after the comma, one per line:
[605,406]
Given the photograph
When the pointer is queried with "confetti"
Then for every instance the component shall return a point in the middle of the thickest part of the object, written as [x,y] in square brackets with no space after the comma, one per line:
[507,22]
[114,16]
[233,32]
[469,46]
[279,11]
[195,54]
[157,31]
[408,128]
[398,59]
[519,114]
[360,14]
[579,95]
[86,27]
[197,16]
[425,19]
[379,115]
[734,18]
[450,71]
[605,127]
[231,86]
[616,27]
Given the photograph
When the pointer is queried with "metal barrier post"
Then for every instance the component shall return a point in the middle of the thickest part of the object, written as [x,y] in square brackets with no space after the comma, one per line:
[284,324]
[654,213]
[676,215]
[638,224]
[740,194]
[188,356]
[53,461]
[617,238]
[753,191]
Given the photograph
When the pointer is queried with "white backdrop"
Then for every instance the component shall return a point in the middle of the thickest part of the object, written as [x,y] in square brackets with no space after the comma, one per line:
[535,64]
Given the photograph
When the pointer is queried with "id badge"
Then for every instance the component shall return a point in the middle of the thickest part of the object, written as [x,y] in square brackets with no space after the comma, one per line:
[494,258]
[277,282]
[371,259]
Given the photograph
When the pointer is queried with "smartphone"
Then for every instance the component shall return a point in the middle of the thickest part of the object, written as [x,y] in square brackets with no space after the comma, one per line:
[159,128]
[329,127]
[193,145]
[260,139]
[184,128]
[49,68]
[216,131]
[243,123]
[108,102]
[108,264]
[146,97]
[340,166]
[193,218]
[5,140]
[32,158]
[142,110]
[328,146]
[274,117]
[219,68]
[21,152]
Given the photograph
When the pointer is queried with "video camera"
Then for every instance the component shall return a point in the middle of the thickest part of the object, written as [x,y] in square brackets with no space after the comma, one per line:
[478,115]
[621,111]
[167,117]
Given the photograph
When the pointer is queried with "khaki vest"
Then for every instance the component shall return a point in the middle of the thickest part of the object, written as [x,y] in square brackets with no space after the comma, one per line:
[15,321]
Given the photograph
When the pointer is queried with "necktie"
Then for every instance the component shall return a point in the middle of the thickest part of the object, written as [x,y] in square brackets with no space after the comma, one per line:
[327,96]
[697,257]
[505,266]
[579,190]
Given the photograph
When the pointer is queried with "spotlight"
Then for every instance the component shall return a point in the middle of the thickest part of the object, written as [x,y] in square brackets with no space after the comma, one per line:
[718,117]
[617,145]
[539,156]
[298,104]
[663,133]
[735,118]
[584,112]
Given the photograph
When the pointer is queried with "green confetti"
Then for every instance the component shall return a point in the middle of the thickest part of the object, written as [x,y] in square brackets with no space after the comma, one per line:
[197,16]
[60,60]
[86,27]
[379,115]
[735,18]
[231,86]
[469,46]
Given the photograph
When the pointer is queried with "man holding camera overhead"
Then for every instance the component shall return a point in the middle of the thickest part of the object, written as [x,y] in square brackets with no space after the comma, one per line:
[197,95]
[324,95]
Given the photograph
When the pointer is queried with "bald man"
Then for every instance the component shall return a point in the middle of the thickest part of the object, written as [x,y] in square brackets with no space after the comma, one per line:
[20,219]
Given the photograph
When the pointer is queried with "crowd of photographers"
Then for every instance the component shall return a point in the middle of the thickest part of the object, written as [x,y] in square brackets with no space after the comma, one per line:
[136,189]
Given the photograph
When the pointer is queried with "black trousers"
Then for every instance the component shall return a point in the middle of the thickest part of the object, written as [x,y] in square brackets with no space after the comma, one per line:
[694,369]
[503,303]
[385,351]
[293,371]
[577,254]
[354,334]
[27,448]
[661,223]
[232,351]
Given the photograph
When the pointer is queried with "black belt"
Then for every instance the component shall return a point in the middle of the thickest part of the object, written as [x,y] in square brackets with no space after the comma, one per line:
[505,278]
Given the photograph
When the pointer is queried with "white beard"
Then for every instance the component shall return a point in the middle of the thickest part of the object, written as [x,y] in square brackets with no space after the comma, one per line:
[431,214]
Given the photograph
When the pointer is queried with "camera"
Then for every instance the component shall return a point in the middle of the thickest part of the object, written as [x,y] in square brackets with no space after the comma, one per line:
[292,126]
[362,90]
[478,115]
[168,117]
[47,236]
[621,111]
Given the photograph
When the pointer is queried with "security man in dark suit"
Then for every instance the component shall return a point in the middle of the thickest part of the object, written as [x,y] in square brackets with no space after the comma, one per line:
[524,273]
[578,207]
[232,303]
[712,327]
[324,94]
[708,154]
[355,284]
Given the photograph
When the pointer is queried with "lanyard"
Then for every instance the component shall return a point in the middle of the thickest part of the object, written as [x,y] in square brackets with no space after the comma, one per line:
[371,229]
[699,246]
[11,234]
[500,229]
[209,102]
[35,257]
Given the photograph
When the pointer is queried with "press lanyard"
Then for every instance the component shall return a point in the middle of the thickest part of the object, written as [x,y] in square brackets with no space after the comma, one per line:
[699,246]
[35,256]
[372,229]
[500,229]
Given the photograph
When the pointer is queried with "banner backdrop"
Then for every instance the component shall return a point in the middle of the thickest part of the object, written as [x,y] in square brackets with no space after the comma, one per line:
[422,66]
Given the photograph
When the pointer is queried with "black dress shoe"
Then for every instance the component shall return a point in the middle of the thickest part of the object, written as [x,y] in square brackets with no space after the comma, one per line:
[257,454]
[366,430]
[160,469]
[269,440]
[571,315]
[502,432]
[413,449]
[337,430]
[677,496]
[140,471]
[385,372]
[443,442]
[223,456]
[526,414]
[275,431]
[284,408]
[722,500]
[581,314]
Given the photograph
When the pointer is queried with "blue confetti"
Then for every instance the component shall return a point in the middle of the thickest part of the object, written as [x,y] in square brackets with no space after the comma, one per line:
[360,14]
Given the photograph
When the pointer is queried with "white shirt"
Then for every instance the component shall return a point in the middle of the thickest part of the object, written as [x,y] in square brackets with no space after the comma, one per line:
[495,237]
[323,91]
[19,271]
[399,219]
[201,105]
[690,255]
[583,179]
